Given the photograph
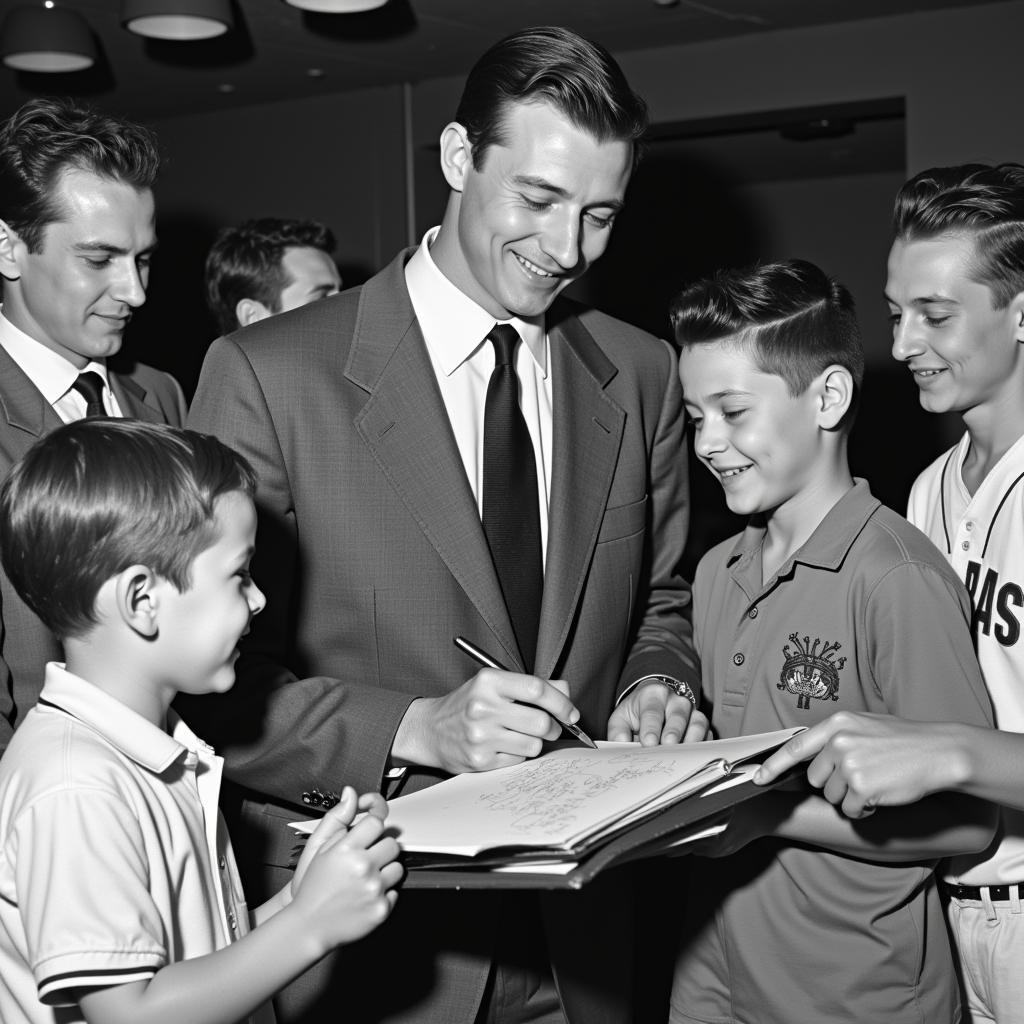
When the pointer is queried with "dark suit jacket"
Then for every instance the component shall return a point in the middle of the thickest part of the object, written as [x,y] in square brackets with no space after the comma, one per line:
[26,645]
[372,555]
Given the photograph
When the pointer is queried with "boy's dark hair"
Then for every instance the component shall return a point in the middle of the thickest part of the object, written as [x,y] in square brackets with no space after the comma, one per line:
[98,495]
[550,64]
[245,263]
[46,137]
[983,201]
[795,319]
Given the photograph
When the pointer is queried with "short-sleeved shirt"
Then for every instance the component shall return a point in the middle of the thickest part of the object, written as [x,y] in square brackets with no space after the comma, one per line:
[982,536]
[114,860]
[866,616]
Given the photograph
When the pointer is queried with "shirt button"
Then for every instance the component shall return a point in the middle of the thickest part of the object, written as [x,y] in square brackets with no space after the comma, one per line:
[222,862]
[232,922]
[738,659]
[968,525]
[966,545]
[752,614]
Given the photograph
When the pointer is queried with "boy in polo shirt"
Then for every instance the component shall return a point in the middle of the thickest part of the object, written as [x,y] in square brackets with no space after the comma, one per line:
[119,899]
[826,601]
[956,294]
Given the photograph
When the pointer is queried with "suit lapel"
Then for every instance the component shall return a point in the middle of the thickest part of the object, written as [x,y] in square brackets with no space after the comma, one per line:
[131,397]
[587,432]
[23,404]
[405,426]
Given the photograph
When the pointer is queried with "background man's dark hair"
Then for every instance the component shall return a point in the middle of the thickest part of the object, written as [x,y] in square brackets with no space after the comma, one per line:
[245,263]
[979,200]
[47,136]
[552,65]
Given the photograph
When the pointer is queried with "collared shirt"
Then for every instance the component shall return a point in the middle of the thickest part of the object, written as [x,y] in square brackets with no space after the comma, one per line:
[981,536]
[865,616]
[455,330]
[52,374]
[114,860]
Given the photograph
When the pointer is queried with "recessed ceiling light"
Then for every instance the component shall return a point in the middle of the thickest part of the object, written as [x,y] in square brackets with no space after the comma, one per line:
[47,39]
[337,6]
[181,20]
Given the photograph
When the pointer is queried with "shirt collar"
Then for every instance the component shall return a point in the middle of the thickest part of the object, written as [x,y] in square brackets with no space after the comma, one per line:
[124,729]
[453,325]
[831,541]
[51,373]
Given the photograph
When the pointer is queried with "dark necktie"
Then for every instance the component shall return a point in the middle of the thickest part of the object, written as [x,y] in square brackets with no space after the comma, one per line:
[511,516]
[90,387]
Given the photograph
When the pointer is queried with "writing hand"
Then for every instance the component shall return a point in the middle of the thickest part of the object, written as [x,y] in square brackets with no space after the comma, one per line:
[861,761]
[493,720]
[653,714]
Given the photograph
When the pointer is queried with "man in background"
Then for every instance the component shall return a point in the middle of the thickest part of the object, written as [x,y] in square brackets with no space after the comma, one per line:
[77,234]
[267,266]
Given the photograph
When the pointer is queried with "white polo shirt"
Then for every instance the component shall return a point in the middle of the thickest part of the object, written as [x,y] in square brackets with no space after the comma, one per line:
[114,860]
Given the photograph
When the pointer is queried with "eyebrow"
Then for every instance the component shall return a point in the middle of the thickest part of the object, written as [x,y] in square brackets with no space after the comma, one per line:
[923,300]
[719,395]
[112,250]
[532,181]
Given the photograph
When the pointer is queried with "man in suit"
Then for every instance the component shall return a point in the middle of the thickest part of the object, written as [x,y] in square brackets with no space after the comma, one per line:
[368,417]
[268,266]
[76,238]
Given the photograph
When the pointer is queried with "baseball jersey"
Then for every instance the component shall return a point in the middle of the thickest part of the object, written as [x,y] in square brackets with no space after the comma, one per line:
[983,538]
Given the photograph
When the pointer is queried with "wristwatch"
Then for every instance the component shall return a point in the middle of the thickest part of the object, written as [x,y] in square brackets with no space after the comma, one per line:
[677,686]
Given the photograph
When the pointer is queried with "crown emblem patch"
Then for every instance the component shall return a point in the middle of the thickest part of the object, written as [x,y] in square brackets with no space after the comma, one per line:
[811,670]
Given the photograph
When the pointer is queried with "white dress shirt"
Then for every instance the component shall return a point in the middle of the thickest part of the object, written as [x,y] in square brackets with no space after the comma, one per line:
[53,374]
[455,330]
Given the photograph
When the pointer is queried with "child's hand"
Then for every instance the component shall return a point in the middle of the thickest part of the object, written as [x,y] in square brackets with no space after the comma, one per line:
[344,881]
[337,820]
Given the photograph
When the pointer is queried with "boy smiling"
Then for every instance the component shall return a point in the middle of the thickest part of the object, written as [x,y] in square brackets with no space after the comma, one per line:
[828,600]
[119,896]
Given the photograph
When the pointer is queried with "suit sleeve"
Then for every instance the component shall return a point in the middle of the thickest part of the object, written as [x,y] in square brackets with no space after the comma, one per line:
[664,636]
[278,734]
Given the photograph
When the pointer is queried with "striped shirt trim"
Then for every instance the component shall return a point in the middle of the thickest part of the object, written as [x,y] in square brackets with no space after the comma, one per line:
[94,978]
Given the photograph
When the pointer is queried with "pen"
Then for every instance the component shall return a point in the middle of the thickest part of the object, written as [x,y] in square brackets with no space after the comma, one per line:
[483,658]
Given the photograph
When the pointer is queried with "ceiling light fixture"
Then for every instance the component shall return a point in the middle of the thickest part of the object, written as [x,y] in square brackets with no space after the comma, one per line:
[337,6]
[46,38]
[182,20]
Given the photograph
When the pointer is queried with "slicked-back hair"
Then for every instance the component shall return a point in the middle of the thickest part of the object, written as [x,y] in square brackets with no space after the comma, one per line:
[98,495]
[549,64]
[46,137]
[245,263]
[792,318]
[979,200]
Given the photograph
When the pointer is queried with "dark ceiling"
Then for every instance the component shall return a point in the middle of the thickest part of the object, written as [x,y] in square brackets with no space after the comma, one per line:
[277,52]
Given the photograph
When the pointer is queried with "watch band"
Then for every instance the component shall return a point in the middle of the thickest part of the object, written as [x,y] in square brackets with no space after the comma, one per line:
[677,686]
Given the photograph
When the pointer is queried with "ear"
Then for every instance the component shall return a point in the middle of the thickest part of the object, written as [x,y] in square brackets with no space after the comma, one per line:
[834,395]
[137,597]
[456,155]
[1017,313]
[11,250]
[248,311]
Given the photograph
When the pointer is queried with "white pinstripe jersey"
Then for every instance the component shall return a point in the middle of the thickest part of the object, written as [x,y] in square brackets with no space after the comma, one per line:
[983,538]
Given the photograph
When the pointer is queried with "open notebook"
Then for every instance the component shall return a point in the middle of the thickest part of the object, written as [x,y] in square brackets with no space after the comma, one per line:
[545,820]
